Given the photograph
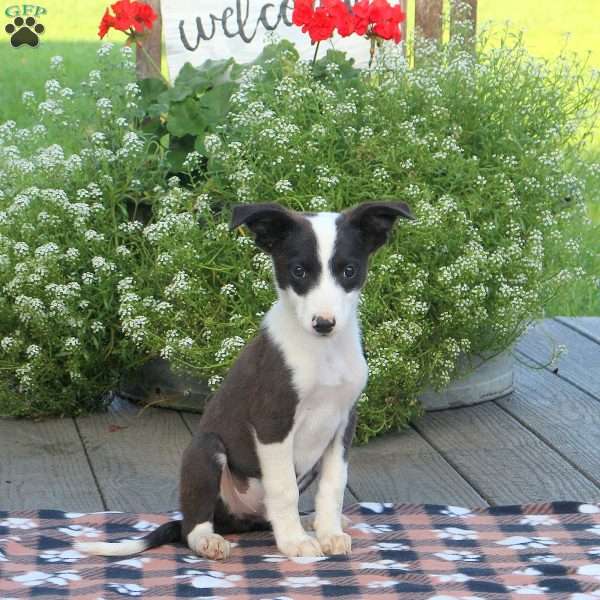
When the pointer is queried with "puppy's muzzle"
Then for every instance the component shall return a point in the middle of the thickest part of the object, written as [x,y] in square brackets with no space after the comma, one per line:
[323,326]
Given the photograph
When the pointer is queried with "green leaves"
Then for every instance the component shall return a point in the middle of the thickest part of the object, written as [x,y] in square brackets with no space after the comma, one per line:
[198,101]
[345,66]
[200,97]
[186,118]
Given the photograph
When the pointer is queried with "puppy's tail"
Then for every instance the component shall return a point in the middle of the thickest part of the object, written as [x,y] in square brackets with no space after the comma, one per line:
[168,533]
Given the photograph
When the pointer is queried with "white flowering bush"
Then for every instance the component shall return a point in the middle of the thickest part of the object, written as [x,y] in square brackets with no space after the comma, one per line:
[484,147]
[65,239]
[105,262]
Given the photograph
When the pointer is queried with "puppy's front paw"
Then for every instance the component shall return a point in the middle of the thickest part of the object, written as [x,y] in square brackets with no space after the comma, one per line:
[304,546]
[211,546]
[335,543]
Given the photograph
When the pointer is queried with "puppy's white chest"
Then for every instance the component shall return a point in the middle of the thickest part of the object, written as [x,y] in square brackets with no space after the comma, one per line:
[317,420]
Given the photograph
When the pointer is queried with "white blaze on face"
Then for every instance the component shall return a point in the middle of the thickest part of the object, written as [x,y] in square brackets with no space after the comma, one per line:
[327,299]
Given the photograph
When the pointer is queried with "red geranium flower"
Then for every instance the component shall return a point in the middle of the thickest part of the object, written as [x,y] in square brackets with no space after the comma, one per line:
[321,22]
[386,20]
[128,17]
[107,22]
[341,15]
[303,13]
[360,12]
[321,26]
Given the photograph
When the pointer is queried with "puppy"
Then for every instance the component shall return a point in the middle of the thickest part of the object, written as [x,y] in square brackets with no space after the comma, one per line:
[285,414]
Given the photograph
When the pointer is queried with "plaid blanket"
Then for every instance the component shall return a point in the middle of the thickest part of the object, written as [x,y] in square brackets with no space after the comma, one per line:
[434,552]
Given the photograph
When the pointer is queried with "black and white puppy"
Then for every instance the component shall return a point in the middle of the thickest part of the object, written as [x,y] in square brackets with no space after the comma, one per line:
[285,413]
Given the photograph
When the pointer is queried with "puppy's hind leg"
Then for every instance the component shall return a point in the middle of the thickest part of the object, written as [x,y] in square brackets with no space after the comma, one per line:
[201,471]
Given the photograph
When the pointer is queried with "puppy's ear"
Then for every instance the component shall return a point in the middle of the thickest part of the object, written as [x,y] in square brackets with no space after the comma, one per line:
[271,223]
[375,220]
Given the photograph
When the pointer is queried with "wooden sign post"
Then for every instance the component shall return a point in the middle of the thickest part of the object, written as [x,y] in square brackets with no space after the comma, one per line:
[147,67]
[428,18]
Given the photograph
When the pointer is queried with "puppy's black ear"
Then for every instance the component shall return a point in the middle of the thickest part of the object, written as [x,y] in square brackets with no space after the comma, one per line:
[271,223]
[376,219]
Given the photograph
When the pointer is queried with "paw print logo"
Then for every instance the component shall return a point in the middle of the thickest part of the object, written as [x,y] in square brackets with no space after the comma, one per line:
[24,31]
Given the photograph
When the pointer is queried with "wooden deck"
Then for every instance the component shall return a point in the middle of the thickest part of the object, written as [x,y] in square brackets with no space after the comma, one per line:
[540,443]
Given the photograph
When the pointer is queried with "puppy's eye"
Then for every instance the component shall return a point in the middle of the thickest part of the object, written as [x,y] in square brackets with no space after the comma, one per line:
[299,272]
[349,271]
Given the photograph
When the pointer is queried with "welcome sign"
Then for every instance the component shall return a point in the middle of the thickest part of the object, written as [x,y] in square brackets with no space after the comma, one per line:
[196,30]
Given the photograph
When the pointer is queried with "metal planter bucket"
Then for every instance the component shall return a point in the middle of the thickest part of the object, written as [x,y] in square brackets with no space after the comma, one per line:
[157,384]
[483,379]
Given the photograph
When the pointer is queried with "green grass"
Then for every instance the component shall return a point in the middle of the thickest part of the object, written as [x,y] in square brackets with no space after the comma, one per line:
[71,31]
[26,69]
[548,26]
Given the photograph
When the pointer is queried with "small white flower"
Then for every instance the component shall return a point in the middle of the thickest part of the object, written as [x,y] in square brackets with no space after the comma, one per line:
[283,186]
[7,343]
[104,106]
[318,204]
[228,290]
[105,49]
[52,87]
[214,381]
[32,351]
[56,62]
[192,160]
[72,343]
[28,98]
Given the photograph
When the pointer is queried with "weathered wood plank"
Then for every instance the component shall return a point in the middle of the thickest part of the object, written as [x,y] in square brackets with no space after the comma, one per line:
[43,465]
[191,420]
[428,18]
[403,467]
[581,363]
[136,456]
[566,418]
[502,459]
[588,326]
[404,25]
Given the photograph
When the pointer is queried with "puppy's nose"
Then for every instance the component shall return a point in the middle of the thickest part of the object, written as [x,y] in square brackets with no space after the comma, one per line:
[322,325]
